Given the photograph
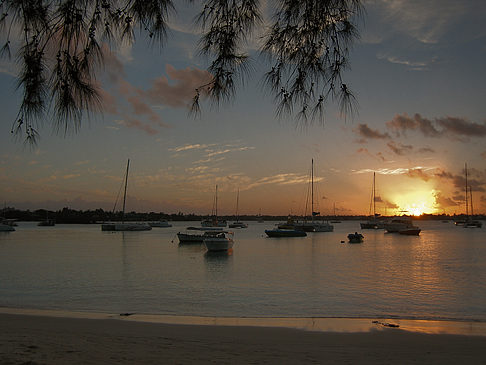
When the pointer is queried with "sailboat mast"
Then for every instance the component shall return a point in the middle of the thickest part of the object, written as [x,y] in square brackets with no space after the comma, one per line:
[237,202]
[125,192]
[471,202]
[374,196]
[312,190]
[216,203]
[467,205]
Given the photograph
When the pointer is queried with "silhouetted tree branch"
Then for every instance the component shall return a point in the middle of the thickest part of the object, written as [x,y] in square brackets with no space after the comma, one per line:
[60,49]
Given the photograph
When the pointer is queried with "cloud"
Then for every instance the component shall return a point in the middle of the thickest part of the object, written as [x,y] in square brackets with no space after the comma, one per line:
[452,127]
[391,205]
[396,171]
[443,201]
[137,124]
[399,149]
[426,150]
[180,92]
[400,124]
[175,90]
[364,131]
[414,65]
[280,179]
[476,179]
[461,127]
[379,156]
[141,108]
[418,173]
[212,152]
[430,21]
[188,147]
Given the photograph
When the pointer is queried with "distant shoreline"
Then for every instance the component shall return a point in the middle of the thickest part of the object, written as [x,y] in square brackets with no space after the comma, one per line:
[97,216]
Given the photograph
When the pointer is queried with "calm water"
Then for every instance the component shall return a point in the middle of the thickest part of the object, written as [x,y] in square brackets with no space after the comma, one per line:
[439,275]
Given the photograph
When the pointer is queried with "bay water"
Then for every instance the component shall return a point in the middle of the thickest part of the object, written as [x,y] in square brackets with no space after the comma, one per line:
[440,274]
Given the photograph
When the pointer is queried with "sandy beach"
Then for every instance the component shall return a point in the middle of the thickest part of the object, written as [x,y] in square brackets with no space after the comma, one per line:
[56,339]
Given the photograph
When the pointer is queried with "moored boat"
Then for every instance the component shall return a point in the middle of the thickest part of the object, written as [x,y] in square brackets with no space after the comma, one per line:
[398,224]
[374,222]
[125,226]
[277,232]
[222,241]
[197,237]
[238,225]
[411,231]
[470,222]
[355,237]
[6,227]
[161,224]
[214,221]
[289,224]
[47,223]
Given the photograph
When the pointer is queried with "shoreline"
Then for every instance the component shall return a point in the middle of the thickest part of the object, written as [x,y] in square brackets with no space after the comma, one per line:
[312,324]
[49,337]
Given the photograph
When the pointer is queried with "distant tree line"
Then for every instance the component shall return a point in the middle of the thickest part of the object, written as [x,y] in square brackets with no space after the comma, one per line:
[67,215]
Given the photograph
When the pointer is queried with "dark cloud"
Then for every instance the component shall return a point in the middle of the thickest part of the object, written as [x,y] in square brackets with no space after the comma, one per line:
[461,127]
[476,179]
[400,124]
[444,174]
[391,205]
[451,127]
[399,149]
[366,132]
[426,150]
[365,151]
[445,202]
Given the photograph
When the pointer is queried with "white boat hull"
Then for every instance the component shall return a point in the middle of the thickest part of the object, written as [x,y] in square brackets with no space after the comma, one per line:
[125,227]
[215,244]
[6,228]
[160,224]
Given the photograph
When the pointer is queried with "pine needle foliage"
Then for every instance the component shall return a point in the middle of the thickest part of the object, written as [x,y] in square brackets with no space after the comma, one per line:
[60,50]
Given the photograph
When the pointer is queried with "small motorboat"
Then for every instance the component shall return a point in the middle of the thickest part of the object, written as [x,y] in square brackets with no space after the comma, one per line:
[355,237]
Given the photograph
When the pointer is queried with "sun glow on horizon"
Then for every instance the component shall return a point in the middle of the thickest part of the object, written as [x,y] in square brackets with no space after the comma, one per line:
[416,203]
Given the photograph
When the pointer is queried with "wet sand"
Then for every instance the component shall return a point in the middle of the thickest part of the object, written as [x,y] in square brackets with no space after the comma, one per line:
[58,338]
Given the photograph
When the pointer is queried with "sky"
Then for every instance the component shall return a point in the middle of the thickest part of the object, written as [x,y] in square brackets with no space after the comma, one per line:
[418,75]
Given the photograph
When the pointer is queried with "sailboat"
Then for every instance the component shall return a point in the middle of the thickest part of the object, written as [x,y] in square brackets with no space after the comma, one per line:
[373,223]
[314,225]
[470,221]
[259,217]
[48,222]
[214,222]
[125,226]
[335,220]
[238,224]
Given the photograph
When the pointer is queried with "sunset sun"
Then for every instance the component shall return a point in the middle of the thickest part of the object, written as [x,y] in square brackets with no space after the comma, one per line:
[416,203]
